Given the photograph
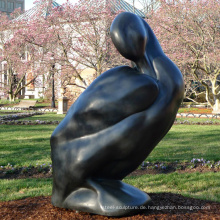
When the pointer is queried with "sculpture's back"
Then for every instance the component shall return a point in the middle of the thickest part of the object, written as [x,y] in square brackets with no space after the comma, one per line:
[115,124]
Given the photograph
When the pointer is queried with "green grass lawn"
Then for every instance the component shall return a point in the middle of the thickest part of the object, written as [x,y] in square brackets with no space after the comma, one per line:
[29,145]
[22,188]
[7,102]
[48,116]
[201,120]
[41,103]
[185,110]
[10,112]
[184,142]
[2,114]
[197,185]
[44,117]
[25,145]
[44,103]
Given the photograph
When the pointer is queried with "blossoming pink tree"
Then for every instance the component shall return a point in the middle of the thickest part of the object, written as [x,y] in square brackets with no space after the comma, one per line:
[84,35]
[77,36]
[189,32]
[67,41]
[17,61]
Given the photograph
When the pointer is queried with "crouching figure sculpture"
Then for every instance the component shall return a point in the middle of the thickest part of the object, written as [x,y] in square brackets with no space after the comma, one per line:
[115,124]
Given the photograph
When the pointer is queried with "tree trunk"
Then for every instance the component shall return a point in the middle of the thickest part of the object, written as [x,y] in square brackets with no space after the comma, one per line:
[99,69]
[53,93]
[11,97]
[216,108]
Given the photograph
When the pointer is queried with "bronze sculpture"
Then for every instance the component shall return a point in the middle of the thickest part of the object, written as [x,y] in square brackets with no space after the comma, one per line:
[115,124]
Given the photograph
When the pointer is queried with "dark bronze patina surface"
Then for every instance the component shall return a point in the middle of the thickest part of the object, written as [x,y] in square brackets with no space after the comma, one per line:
[115,124]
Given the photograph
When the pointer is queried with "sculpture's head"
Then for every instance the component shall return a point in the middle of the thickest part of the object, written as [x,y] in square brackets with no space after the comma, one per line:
[129,35]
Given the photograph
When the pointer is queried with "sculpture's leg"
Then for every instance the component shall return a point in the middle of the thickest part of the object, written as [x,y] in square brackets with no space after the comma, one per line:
[107,197]
[77,160]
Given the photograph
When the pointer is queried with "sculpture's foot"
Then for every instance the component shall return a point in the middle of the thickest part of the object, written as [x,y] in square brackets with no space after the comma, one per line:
[107,197]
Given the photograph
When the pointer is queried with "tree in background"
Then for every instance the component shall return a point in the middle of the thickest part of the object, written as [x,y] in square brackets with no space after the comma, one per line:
[82,34]
[189,32]
[38,33]
[20,60]
[77,38]
[70,39]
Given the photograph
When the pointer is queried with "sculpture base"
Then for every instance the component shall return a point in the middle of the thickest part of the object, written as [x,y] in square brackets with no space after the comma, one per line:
[107,197]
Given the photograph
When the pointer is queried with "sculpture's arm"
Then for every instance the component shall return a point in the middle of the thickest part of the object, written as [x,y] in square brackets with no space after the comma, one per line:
[108,144]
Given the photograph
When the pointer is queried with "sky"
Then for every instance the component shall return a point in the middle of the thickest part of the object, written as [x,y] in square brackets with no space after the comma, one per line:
[29,3]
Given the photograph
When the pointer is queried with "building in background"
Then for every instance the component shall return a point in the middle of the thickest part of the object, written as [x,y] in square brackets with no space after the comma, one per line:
[37,89]
[8,6]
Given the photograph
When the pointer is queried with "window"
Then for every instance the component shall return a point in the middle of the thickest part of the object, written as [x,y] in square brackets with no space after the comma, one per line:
[19,5]
[2,4]
[11,6]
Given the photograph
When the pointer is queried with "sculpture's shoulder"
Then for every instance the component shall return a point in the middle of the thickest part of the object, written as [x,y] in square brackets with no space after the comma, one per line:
[121,78]
[121,86]
[113,75]
[112,97]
